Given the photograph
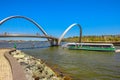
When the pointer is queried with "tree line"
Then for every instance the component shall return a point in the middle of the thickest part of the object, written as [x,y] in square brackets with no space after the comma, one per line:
[102,38]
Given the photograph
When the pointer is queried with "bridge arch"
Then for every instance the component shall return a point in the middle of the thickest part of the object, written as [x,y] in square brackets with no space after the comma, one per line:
[18,16]
[75,24]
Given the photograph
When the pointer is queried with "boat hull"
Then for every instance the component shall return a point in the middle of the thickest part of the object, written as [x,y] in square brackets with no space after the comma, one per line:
[92,49]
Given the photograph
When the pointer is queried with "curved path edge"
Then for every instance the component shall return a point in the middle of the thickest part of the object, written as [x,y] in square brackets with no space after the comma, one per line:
[17,70]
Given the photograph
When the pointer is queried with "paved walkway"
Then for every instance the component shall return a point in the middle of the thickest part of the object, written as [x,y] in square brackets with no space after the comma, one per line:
[5,69]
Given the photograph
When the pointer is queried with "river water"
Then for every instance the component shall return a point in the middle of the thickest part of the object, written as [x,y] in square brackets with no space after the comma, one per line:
[80,65]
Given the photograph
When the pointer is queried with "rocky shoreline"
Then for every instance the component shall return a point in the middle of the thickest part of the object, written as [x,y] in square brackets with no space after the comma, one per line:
[35,69]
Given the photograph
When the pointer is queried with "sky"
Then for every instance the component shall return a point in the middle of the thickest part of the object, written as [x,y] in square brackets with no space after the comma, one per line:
[97,17]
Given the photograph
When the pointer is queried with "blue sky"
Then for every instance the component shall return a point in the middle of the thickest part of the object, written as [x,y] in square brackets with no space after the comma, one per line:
[97,17]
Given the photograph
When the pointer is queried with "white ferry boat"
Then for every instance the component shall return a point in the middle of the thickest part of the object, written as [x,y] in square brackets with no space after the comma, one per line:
[90,46]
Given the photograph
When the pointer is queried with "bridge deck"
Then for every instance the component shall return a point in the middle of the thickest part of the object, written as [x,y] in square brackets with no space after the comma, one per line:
[28,35]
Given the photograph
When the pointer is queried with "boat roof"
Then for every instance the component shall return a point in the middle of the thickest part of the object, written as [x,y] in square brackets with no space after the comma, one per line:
[89,44]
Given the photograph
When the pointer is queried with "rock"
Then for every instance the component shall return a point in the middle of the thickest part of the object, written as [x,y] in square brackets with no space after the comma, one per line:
[36,73]
[18,56]
[67,78]
[29,74]
[49,71]
[37,78]
[18,51]
[55,78]
[43,79]
[13,53]
[35,69]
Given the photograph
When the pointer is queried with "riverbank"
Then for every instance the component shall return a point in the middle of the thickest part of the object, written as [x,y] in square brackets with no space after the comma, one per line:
[16,65]
[35,69]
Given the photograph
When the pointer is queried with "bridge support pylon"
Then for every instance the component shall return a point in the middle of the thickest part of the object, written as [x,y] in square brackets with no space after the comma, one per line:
[53,42]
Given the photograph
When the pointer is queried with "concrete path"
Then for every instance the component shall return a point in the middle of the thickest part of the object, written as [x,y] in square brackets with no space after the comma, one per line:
[5,68]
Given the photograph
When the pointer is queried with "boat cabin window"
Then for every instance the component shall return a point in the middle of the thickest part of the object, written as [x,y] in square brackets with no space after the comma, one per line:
[71,45]
[104,46]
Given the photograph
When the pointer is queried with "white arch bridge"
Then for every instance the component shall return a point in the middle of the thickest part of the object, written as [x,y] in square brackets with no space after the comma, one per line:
[53,40]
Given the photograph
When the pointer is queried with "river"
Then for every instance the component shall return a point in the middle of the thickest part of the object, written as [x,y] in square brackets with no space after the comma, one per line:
[80,65]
